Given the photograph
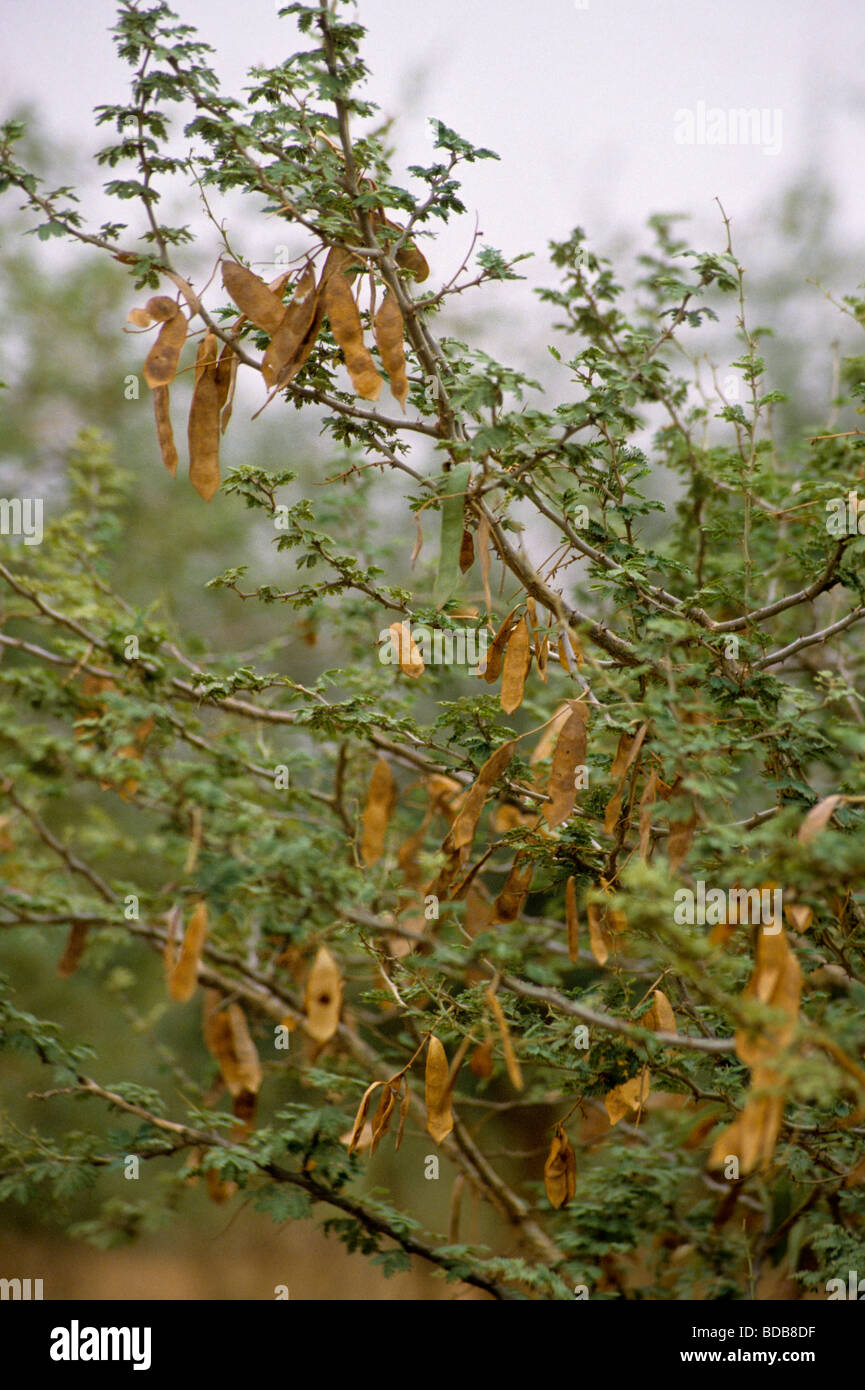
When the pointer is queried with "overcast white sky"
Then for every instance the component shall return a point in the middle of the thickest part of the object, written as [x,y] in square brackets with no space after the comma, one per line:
[579,102]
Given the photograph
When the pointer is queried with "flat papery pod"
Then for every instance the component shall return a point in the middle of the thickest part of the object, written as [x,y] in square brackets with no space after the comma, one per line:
[613,811]
[409,258]
[817,819]
[184,976]
[515,667]
[573,921]
[252,296]
[380,801]
[481,1060]
[345,324]
[570,753]
[495,655]
[164,432]
[73,951]
[599,938]
[509,904]
[660,1016]
[384,1114]
[239,1062]
[388,326]
[160,366]
[546,744]
[511,1063]
[629,1098]
[560,1170]
[408,653]
[440,1120]
[462,832]
[337,261]
[799,915]
[139,317]
[776,982]
[160,308]
[285,353]
[323,997]
[203,428]
[353,1139]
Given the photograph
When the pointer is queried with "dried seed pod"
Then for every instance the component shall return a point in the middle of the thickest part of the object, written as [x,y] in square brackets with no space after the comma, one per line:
[380,801]
[440,1120]
[253,297]
[164,432]
[184,977]
[282,361]
[518,660]
[160,367]
[203,429]
[388,326]
[323,997]
[560,1170]
[346,327]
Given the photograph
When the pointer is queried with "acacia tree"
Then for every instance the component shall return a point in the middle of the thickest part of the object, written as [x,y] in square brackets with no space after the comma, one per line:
[553,872]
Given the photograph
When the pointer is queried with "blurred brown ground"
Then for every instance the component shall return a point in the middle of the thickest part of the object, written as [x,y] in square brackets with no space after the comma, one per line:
[231,1266]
